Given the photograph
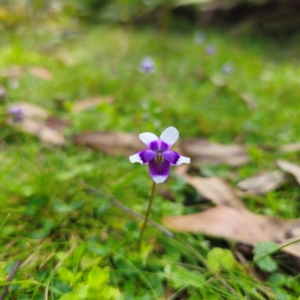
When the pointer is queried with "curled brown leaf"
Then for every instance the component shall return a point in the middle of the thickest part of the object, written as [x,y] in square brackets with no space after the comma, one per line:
[289,167]
[262,183]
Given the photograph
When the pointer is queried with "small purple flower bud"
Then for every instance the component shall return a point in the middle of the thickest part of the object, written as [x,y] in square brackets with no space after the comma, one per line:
[228,68]
[199,37]
[210,50]
[17,113]
[147,65]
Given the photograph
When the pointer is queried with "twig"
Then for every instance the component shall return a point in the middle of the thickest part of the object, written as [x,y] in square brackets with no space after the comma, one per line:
[10,278]
[131,212]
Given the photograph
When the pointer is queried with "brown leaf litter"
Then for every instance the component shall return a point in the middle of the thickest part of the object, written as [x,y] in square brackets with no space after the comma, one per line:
[32,111]
[262,183]
[114,143]
[15,72]
[289,168]
[293,147]
[216,190]
[38,122]
[40,72]
[205,152]
[231,219]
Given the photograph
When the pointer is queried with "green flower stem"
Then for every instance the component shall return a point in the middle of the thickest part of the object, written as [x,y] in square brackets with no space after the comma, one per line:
[147,215]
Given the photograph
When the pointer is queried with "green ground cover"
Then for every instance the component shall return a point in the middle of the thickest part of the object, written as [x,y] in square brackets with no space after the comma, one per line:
[73,241]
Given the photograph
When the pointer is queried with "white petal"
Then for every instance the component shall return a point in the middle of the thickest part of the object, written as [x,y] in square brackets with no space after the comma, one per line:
[147,138]
[159,178]
[136,158]
[170,136]
[183,160]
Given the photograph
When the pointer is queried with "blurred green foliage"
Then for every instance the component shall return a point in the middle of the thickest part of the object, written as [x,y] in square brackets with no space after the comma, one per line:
[94,286]
[266,16]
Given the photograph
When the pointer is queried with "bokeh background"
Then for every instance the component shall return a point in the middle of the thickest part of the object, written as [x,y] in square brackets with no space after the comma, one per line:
[79,80]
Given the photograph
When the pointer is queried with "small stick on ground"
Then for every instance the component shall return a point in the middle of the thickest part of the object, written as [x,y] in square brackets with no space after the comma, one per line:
[10,278]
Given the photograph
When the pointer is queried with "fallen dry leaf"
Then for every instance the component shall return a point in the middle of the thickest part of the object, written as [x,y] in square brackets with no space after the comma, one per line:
[40,130]
[12,72]
[226,222]
[216,190]
[240,226]
[294,147]
[51,136]
[37,121]
[91,102]
[205,152]
[31,111]
[231,219]
[40,72]
[262,183]
[56,123]
[289,168]
[114,143]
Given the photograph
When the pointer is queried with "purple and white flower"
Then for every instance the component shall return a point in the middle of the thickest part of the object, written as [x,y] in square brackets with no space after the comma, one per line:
[16,112]
[159,157]
[147,65]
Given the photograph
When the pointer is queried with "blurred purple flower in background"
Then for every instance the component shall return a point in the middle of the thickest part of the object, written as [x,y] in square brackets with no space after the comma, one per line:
[228,68]
[16,112]
[199,37]
[147,65]
[210,50]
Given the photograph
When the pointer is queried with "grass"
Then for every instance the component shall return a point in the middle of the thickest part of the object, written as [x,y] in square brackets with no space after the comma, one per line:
[72,240]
